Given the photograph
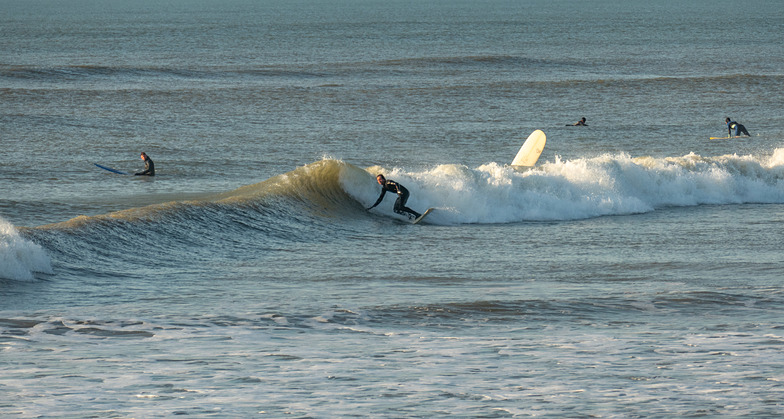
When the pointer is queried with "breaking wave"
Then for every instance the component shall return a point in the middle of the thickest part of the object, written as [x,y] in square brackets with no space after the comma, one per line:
[315,202]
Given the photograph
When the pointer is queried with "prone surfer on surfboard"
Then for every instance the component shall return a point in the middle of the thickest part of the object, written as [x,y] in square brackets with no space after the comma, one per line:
[402,196]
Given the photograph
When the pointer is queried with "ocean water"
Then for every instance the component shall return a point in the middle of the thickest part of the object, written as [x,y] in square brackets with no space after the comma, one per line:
[635,271]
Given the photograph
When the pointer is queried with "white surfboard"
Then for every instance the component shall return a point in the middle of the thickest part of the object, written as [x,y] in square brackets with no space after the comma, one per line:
[531,150]
[421,217]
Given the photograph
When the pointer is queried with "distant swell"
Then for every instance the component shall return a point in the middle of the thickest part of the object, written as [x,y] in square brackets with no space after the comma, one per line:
[145,77]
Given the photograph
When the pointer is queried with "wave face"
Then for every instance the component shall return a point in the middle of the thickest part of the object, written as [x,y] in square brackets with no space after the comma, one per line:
[299,206]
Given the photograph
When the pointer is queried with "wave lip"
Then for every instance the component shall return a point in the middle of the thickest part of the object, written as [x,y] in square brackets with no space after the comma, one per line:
[20,259]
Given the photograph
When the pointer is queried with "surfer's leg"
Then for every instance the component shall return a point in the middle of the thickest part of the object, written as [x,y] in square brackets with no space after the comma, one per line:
[743,130]
[401,208]
[406,210]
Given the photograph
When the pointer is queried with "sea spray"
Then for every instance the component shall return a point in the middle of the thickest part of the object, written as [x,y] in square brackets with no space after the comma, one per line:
[20,258]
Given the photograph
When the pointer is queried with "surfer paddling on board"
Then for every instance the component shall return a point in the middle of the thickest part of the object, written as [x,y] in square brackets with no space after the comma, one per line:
[149,166]
[739,128]
[580,123]
[402,196]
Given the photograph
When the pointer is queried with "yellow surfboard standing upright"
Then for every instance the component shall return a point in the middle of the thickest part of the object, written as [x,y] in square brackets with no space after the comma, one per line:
[531,150]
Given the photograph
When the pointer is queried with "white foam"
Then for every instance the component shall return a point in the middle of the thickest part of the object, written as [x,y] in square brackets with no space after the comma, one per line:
[591,187]
[20,258]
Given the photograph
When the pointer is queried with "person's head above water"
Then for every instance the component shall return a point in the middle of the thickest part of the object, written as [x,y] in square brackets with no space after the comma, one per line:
[381,179]
[144,156]
[728,119]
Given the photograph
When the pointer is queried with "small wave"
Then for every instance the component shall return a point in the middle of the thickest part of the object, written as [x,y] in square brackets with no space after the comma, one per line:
[20,259]
[315,188]
[90,72]
[470,60]
[151,74]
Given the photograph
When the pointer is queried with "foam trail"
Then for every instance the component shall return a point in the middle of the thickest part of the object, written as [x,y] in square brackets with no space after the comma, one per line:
[20,258]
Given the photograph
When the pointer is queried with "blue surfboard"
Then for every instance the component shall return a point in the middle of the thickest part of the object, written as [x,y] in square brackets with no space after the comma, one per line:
[111,170]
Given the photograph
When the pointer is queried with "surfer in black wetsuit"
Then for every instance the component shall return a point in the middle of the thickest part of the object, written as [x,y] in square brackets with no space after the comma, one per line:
[739,128]
[580,123]
[149,166]
[402,196]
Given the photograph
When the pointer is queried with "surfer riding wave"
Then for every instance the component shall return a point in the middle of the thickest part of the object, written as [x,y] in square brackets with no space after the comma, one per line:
[402,196]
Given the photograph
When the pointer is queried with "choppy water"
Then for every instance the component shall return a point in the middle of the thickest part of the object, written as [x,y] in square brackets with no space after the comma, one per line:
[635,271]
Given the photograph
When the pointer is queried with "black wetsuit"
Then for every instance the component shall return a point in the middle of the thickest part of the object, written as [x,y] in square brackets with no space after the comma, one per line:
[149,168]
[402,197]
[580,123]
[739,129]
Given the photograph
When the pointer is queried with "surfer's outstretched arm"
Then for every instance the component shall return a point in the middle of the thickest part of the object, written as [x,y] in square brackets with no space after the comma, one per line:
[380,198]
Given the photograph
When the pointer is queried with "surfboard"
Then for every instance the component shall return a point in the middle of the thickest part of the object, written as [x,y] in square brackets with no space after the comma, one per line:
[119,172]
[531,150]
[422,217]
